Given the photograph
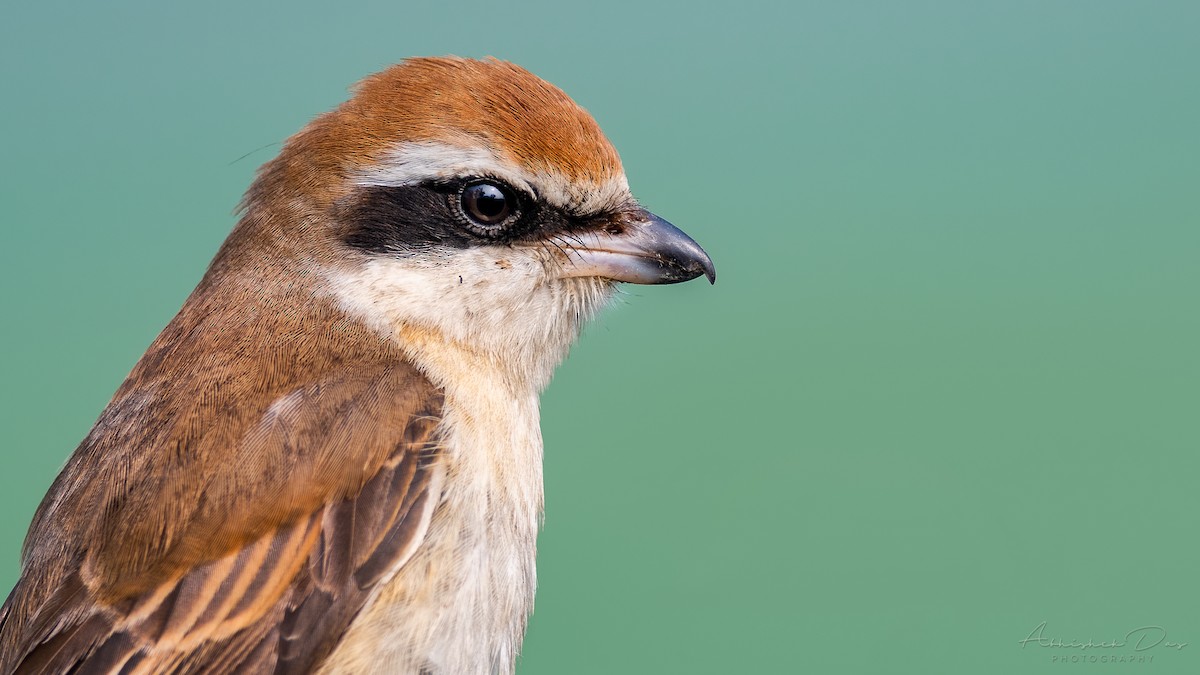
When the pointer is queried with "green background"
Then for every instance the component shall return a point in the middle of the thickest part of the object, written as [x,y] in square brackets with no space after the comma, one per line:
[946,387]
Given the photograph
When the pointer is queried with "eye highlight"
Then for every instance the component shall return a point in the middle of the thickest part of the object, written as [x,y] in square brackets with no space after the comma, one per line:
[488,206]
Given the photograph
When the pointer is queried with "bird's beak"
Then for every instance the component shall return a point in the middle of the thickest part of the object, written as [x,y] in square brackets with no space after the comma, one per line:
[648,250]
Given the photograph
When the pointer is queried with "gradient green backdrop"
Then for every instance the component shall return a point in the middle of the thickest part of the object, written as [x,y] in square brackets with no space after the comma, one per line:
[944,390]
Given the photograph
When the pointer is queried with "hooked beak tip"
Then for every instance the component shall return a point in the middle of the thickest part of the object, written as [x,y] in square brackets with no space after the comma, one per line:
[648,250]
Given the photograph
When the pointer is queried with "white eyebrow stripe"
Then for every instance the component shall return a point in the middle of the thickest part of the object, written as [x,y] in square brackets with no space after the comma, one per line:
[415,162]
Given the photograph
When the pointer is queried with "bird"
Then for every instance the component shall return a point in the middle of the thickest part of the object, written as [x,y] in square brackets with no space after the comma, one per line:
[330,460]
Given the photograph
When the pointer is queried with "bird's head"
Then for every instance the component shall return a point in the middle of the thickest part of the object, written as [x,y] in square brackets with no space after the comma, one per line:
[465,201]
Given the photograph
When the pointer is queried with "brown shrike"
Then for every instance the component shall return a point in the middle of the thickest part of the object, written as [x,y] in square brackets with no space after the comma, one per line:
[330,460]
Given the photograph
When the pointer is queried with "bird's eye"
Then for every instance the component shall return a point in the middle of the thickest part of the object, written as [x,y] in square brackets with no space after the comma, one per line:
[487,205]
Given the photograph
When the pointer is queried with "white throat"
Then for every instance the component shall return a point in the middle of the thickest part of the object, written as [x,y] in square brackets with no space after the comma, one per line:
[488,326]
[458,312]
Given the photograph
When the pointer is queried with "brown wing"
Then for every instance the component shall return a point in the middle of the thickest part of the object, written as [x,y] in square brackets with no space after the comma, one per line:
[175,557]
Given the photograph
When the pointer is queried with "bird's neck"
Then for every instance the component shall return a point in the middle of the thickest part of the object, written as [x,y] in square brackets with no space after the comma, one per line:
[450,362]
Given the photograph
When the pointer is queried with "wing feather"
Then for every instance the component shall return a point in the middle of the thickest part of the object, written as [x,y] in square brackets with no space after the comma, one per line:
[279,580]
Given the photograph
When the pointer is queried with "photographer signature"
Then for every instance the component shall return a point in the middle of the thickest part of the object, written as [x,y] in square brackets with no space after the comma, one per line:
[1142,639]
